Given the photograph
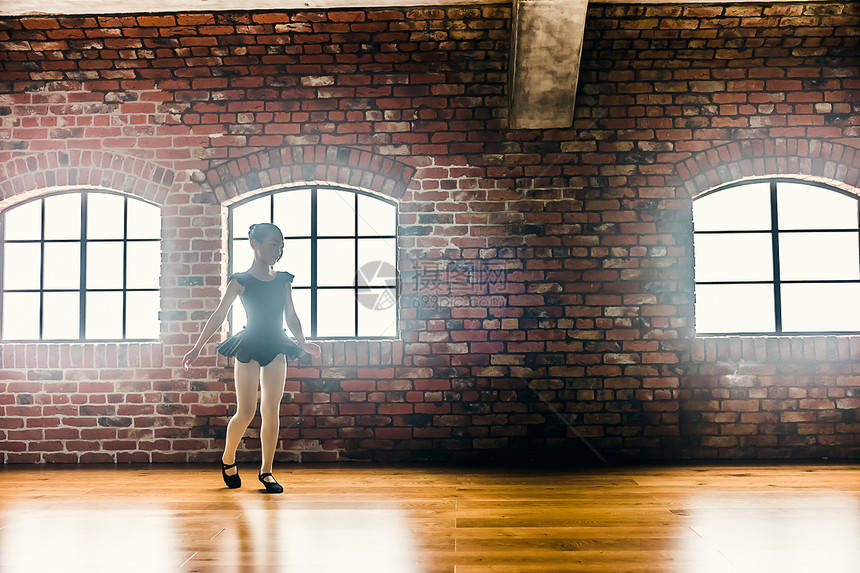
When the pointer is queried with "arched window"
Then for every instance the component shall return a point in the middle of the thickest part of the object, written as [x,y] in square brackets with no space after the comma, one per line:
[80,265]
[341,245]
[777,257]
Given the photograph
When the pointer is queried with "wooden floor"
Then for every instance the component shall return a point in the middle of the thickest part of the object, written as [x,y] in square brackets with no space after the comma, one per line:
[413,519]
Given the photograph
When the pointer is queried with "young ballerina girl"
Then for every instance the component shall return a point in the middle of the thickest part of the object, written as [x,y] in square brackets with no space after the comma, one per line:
[262,349]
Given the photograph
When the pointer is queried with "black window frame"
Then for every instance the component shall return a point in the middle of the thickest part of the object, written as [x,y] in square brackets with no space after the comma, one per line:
[82,288]
[774,233]
[314,237]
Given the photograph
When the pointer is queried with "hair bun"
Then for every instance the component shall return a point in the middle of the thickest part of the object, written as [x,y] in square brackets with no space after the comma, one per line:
[260,231]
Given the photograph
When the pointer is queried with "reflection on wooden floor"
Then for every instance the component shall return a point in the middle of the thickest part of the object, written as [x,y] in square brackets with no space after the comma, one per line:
[413,519]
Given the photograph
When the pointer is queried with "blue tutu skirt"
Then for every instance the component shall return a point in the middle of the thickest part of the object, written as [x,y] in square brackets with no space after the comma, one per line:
[260,346]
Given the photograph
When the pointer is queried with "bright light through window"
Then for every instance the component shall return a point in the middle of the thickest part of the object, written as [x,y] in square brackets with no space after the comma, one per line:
[80,265]
[769,532]
[142,538]
[341,246]
[777,257]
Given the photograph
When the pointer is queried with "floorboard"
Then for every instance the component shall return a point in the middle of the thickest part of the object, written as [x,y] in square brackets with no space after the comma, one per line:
[415,519]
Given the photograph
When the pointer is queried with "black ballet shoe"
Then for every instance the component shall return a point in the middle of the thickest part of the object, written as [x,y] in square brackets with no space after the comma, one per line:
[232,481]
[271,486]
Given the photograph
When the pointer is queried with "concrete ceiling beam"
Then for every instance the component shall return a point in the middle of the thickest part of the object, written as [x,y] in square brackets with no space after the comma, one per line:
[546,45]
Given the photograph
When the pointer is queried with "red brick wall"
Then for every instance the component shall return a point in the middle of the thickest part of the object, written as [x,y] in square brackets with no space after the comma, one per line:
[588,337]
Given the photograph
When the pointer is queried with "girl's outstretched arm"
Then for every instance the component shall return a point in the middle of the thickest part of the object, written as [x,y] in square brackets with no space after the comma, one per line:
[214,322]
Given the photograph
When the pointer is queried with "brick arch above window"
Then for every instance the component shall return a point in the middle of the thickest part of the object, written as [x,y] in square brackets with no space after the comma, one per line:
[309,164]
[800,158]
[27,176]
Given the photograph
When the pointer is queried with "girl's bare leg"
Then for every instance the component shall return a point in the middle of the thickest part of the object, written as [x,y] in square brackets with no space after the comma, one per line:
[272,382]
[247,378]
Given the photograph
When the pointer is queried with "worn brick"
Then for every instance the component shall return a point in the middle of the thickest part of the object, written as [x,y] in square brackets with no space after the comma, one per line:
[591,224]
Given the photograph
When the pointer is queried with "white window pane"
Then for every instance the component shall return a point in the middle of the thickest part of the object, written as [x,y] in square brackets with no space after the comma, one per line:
[376,217]
[141,315]
[21,265]
[104,265]
[336,262]
[819,256]
[741,208]
[20,316]
[802,206]
[250,213]
[243,255]
[293,212]
[144,264]
[297,261]
[61,315]
[335,212]
[144,220]
[24,222]
[376,262]
[734,308]
[377,312]
[105,213]
[63,216]
[302,303]
[238,317]
[62,266]
[335,312]
[336,258]
[821,307]
[104,315]
[733,257]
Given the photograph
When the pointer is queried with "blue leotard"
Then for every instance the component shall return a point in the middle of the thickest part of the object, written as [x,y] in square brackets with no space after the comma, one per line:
[264,337]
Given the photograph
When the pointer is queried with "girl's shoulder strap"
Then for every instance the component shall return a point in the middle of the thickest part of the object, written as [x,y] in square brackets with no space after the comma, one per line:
[241,277]
[285,276]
